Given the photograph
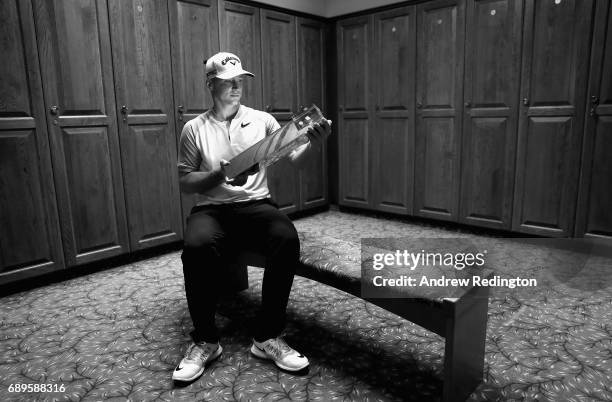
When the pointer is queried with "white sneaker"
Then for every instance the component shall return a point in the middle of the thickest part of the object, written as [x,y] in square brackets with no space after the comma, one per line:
[197,356]
[277,350]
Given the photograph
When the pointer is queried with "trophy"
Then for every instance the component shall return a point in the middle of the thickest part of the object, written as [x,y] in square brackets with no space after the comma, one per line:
[276,145]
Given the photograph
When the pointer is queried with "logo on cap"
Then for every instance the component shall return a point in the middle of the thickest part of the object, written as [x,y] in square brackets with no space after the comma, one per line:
[233,60]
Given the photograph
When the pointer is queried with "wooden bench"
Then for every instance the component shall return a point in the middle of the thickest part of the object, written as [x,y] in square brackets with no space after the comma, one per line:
[461,321]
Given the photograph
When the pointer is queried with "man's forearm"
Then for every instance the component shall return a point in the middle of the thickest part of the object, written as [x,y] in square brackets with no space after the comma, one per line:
[200,182]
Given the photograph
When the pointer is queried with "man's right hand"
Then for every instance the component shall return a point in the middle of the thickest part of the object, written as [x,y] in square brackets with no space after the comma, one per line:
[241,179]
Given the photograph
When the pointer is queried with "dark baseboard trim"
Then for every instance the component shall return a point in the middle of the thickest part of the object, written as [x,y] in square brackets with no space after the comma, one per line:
[86,269]
[454,226]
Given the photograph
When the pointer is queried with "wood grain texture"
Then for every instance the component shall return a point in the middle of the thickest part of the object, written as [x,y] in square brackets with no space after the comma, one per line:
[279,72]
[593,217]
[394,86]
[74,45]
[312,88]
[439,95]
[143,83]
[194,36]
[240,33]
[278,52]
[492,71]
[554,78]
[354,36]
[30,242]
[355,162]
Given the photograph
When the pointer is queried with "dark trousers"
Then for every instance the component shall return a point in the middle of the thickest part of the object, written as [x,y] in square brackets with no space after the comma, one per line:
[215,233]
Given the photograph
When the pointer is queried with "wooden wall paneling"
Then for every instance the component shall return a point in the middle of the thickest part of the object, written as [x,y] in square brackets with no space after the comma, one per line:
[279,63]
[194,37]
[440,32]
[312,88]
[594,217]
[492,75]
[354,110]
[278,51]
[333,180]
[393,128]
[240,34]
[30,242]
[77,75]
[143,85]
[553,90]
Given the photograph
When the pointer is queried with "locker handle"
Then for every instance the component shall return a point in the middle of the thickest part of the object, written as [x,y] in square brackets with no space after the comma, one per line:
[594,103]
[54,110]
[526,101]
[124,109]
[419,105]
[468,104]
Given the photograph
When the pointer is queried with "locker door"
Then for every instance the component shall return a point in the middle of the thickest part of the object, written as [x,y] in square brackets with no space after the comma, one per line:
[143,84]
[492,71]
[440,26]
[240,34]
[311,63]
[280,97]
[354,114]
[553,90]
[393,137]
[594,217]
[74,47]
[194,35]
[29,230]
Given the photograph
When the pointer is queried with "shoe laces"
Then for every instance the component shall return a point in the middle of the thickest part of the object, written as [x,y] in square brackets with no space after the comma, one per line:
[198,351]
[279,347]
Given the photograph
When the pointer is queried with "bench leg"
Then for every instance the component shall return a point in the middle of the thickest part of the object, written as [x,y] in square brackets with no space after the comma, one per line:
[466,328]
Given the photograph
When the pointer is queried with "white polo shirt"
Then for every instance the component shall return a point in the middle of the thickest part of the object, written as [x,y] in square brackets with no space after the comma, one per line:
[205,141]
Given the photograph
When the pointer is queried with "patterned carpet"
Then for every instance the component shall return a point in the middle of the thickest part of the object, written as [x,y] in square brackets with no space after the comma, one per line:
[117,335]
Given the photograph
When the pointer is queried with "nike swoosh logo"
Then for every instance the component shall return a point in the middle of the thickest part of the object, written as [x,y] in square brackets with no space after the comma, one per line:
[178,368]
[243,125]
[301,356]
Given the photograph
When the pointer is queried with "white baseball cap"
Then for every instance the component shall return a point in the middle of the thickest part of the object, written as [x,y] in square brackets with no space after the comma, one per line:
[224,65]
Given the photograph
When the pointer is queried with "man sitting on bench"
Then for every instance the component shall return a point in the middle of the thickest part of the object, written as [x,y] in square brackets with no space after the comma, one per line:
[233,214]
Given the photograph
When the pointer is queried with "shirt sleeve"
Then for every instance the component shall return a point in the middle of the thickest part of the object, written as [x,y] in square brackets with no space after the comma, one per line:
[271,125]
[189,158]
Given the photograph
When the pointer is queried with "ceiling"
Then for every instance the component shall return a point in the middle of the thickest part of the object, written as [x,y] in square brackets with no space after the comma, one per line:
[328,8]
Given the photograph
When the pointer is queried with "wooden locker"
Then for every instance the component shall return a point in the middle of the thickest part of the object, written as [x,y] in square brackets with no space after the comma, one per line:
[393,133]
[594,215]
[143,85]
[29,231]
[240,34]
[439,77]
[77,75]
[278,44]
[492,76]
[353,36]
[194,37]
[553,89]
[312,86]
